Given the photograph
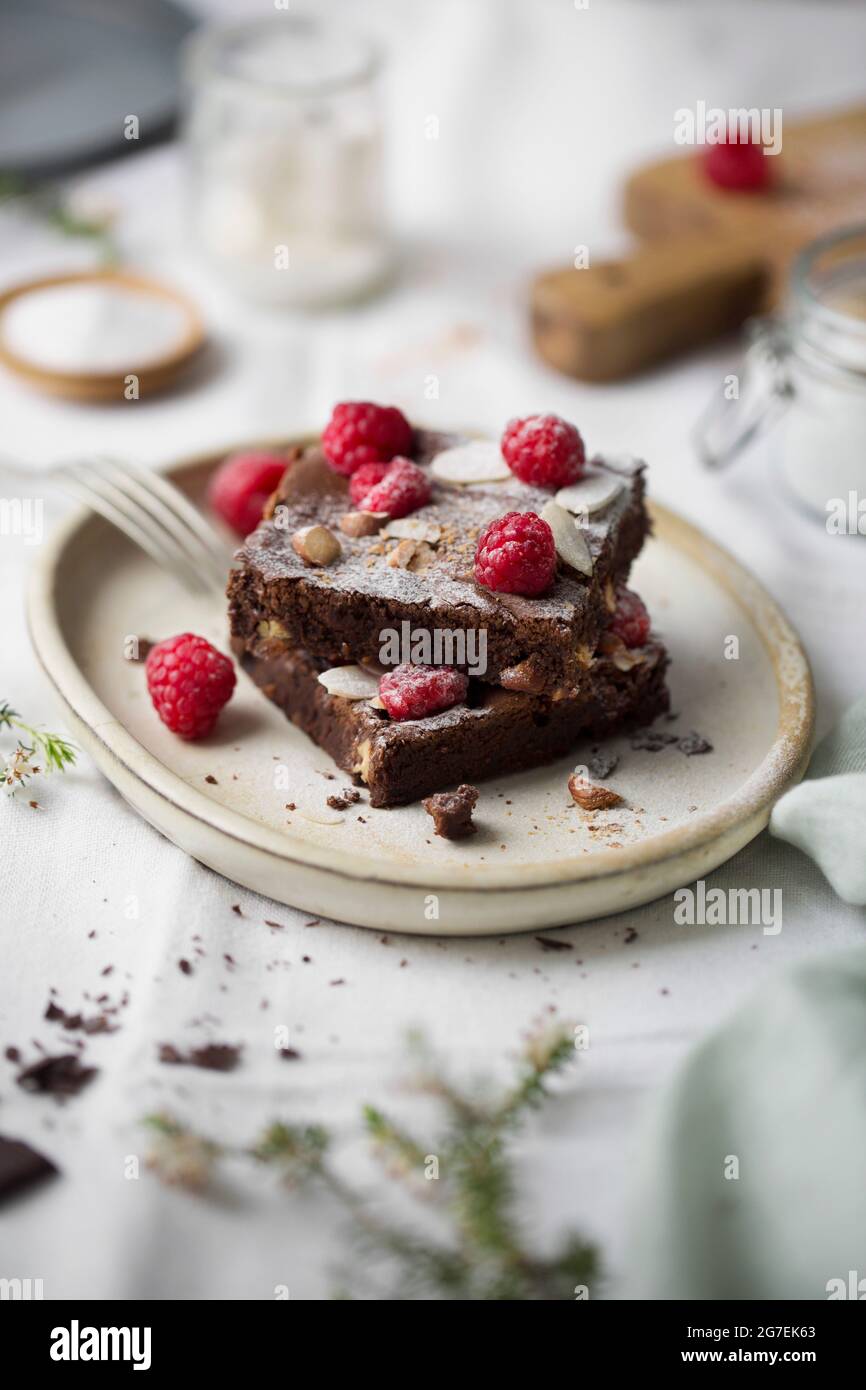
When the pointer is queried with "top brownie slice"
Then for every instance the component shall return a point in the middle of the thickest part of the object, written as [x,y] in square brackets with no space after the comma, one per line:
[342,612]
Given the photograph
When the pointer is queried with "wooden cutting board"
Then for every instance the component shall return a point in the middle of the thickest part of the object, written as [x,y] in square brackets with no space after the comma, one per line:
[707,257]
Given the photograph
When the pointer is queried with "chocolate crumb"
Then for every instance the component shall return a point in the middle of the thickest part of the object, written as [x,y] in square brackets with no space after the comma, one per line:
[212,1057]
[652,740]
[452,812]
[554,943]
[336,982]
[56,1076]
[12,1054]
[601,764]
[99,1023]
[184,967]
[290,1054]
[278,926]
[693,743]
[236,909]
[213,781]
[345,799]
[630,936]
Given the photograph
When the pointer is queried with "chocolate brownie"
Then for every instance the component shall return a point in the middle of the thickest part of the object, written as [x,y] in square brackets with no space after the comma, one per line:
[497,731]
[338,612]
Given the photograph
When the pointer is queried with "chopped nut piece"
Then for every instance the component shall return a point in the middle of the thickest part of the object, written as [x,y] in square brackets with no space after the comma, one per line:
[316,545]
[525,677]
[402,554]
[591,796]
[362,523]
[410,555]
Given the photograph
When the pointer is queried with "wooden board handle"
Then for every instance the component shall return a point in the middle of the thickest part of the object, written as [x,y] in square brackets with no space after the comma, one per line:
[610,320]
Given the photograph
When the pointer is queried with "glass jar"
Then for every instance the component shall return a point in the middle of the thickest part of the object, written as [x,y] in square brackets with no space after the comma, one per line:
[805,374]
[285,146]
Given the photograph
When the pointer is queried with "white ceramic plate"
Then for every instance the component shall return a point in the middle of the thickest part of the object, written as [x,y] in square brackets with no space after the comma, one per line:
[537,860]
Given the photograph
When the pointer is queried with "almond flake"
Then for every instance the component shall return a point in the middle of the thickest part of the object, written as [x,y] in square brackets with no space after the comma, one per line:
[571,546]
[413,529]
[479,461]
[350,682]
[591,493]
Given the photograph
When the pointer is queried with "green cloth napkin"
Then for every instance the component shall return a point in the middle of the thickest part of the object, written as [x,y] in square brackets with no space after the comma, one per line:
[779,1096]
[825,816]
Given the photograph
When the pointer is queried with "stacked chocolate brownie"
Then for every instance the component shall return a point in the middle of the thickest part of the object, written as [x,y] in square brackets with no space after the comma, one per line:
[334,589]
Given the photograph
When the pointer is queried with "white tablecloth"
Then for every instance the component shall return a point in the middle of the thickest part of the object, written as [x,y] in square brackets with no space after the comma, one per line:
[542,110]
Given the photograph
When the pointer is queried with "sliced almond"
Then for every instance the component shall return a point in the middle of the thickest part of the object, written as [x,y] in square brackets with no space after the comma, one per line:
[479,461]
[591,493]
[571,546]
[350,682]
[362,523]
[316,545]
[591,796]
[413,528]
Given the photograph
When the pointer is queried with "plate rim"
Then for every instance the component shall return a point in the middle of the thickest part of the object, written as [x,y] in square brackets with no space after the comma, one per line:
[782,766]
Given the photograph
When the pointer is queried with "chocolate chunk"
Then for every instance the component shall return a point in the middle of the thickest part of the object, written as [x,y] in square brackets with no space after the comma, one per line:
[21,1166]
[693,743]
[452,812]
[56,1076]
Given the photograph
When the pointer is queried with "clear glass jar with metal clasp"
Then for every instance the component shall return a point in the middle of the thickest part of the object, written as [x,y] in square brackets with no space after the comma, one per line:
[805,375]
[285,145]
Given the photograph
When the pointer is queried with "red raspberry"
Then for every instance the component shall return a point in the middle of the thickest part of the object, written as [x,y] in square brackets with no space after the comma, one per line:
[365,478]
[516,554]
[242,485]
[739,166]
[412,692]
[189,682]
[543,450]
[631,621]
[360,432]
[403,489]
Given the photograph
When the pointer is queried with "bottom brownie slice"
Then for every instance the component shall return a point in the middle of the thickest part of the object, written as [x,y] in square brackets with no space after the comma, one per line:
[497,731]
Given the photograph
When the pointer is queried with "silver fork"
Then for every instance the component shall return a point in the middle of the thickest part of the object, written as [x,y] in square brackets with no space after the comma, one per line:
[151,511]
